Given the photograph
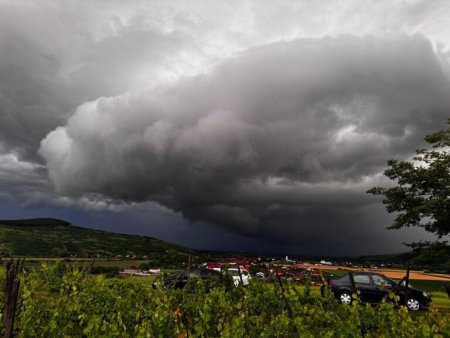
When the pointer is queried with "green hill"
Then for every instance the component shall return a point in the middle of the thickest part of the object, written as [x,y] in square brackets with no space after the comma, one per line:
[34,222]
[48,237]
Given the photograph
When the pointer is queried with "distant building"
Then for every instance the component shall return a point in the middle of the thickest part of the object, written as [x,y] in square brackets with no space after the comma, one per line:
[324,262]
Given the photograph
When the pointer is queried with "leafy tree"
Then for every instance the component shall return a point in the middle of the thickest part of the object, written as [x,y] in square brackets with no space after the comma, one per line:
[421,196]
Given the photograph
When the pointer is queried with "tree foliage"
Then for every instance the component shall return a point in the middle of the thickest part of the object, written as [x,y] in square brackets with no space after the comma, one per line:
[421,196]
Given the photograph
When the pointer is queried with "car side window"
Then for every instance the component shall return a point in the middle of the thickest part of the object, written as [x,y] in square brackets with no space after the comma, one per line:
[361,279]
[381,281]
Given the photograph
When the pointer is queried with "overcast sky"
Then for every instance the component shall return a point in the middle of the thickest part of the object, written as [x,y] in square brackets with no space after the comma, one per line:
[229,125]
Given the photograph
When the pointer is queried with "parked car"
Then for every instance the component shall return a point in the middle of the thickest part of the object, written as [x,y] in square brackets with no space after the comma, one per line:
[234,273]
[305,276]
[260,275]
[373,287]
[208,276]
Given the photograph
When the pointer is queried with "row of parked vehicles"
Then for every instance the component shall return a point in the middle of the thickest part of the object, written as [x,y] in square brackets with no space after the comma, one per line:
[369,287]
[207,275]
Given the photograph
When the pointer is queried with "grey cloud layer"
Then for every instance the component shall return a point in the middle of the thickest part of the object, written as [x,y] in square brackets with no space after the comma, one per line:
[57,55]
[265,140]
[280,139]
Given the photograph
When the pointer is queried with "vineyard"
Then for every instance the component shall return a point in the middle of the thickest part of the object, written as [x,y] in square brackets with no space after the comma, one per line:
[63,300]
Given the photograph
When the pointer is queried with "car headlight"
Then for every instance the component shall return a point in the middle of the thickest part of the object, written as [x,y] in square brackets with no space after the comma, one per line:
[425,294]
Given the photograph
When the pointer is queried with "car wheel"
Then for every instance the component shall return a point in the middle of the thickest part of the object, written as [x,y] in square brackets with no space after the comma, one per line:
[345,298]
[413,304]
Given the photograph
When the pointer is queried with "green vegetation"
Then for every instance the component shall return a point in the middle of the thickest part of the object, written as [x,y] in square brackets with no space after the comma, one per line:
[55,238]
[61,300]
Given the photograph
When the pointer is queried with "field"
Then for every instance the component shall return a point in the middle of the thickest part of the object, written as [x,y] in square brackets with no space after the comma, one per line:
[62,300]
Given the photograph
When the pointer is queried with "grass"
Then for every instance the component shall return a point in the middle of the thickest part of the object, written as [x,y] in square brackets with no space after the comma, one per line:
[441,301]
[428,285]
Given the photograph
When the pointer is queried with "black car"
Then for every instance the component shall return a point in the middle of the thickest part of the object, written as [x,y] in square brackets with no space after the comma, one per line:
[208,276]
[373,287]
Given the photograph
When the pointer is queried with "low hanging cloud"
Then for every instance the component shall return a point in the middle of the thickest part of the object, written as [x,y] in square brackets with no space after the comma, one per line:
[267,139]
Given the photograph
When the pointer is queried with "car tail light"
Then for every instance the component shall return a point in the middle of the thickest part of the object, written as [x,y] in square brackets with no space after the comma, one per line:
[330,283]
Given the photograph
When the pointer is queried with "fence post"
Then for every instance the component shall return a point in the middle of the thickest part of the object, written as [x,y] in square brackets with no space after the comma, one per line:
[408,292]
[11,292]
[240,276]
[189,268]
[288,306]
[352,282]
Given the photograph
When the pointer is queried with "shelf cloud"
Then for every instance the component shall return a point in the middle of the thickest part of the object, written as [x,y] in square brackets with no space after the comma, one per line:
[250,125]
[266,143]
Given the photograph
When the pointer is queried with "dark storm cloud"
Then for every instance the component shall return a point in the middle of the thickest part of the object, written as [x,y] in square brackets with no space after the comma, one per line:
[30,101]
[23,183]
[55,56]
[280,141]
